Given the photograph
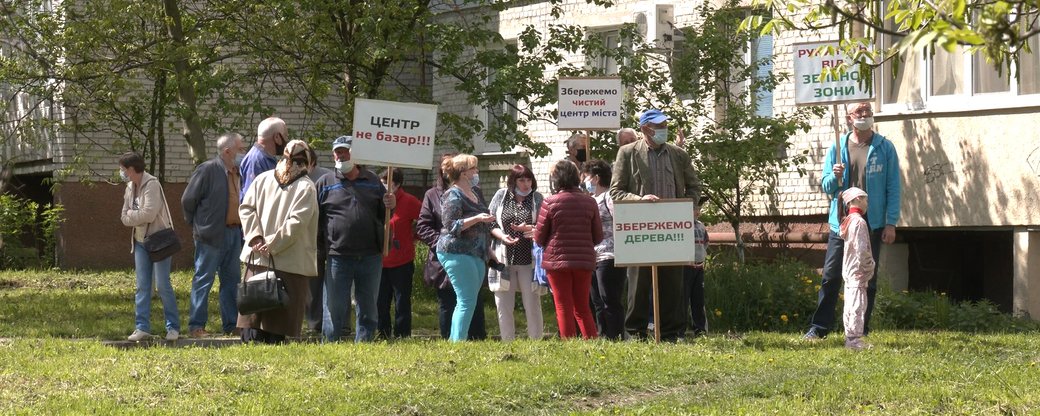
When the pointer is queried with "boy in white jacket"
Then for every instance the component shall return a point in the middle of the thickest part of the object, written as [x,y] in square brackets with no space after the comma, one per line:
[857,267]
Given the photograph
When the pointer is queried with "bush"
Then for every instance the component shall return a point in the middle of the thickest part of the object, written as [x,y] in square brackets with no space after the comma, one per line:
[935,311]
[24,220]
[780,295]
[768,296]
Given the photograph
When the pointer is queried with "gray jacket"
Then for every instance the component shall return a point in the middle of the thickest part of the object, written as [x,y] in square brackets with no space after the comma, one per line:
[205,202]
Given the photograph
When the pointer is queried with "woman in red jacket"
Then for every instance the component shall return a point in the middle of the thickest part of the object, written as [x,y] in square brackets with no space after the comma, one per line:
[569,228]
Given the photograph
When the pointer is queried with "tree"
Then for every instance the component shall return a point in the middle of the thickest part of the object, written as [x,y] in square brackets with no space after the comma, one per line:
[999,29]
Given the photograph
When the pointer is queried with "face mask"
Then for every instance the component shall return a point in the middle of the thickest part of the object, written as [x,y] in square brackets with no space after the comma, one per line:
[590,187]
[661,135]
[239,158]
[123,176]
[863,124]
[580,155]
[522,193]
[475,180]
[345,166]
[279,149]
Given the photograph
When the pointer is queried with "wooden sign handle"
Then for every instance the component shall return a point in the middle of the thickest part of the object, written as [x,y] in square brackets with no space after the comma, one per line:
[657,306]
[386,226]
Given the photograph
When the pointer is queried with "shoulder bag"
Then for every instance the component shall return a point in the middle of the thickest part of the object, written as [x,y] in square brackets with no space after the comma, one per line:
[163,243]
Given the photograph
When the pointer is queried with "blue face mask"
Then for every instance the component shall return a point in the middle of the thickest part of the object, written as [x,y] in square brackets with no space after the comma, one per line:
[522,193]
[239,158]
[661,135]
[590,187]
[475,181]
[123,176]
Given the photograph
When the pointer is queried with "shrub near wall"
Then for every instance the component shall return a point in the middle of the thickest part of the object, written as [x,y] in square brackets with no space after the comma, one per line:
[22,220]
[780,295]
[765,296]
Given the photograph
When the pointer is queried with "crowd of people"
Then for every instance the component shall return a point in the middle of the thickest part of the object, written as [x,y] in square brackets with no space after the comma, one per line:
[322,231]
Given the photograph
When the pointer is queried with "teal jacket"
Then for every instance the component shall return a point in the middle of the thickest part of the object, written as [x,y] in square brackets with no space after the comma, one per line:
[883,182]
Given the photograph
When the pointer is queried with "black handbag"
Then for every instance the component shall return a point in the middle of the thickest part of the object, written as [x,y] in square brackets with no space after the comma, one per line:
[262,291]
[163,243]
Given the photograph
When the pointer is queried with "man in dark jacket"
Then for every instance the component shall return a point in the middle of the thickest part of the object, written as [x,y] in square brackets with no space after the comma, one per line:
[210,204]
[653,169]
[352,205]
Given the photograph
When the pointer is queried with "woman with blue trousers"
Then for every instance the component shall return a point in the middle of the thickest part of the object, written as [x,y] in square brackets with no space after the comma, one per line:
[463,245]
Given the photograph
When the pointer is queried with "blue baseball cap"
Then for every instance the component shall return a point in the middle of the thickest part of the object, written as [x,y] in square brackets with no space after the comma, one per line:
[342,141]
[652,115]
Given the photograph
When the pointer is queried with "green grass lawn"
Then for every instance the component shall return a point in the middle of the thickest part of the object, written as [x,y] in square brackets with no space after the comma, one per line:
[42,371]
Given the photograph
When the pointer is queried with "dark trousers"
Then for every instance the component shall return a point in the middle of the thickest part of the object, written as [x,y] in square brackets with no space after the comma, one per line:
[315,309]
[693,279]
[672,304]
[251,335]
[395,286]
[608,287]
[446,298]
[823,319]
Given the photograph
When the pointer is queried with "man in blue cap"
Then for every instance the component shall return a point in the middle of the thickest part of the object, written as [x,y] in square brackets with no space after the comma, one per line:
[652,169]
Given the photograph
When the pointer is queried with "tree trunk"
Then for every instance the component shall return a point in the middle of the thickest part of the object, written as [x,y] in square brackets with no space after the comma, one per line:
[735,223]
[192,129]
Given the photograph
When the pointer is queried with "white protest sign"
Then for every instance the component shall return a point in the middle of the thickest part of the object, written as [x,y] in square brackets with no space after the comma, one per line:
[654,233]
[589,103]
[813,87]
[394,134]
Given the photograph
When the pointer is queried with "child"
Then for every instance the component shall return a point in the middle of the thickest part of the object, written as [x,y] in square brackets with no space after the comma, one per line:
[857,267]
[694,275]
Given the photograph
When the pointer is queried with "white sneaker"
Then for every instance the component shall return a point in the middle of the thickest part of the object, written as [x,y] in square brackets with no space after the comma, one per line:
[172,335]
[139,335]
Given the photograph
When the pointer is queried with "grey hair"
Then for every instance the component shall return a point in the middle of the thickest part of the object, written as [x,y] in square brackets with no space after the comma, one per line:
[269,127]
[227,140]
[573,140]
[625,130]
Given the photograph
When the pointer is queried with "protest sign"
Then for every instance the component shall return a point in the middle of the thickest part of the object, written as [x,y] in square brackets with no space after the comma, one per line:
[812,86]
[388,133]
[589,103]
[653,233]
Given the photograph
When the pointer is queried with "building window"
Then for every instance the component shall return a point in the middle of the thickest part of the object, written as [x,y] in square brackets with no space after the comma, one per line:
[611,40]
[760,52]
[934,79]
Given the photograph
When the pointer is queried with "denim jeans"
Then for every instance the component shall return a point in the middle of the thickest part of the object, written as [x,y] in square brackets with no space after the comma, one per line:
[466,274]
[362,272]
[823,319]
[396,286]
[209,262]
[160,270]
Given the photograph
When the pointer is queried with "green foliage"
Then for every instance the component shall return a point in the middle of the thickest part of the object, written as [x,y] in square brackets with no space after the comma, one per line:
[935,311]
[24,220]
[999,29]
[763,296]
[781,295]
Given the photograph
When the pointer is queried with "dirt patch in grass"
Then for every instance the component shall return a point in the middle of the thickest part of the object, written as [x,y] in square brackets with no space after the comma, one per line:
[9,284]
[625,399]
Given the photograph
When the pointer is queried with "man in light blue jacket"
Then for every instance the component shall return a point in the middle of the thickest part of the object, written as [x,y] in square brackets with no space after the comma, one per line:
[868,161]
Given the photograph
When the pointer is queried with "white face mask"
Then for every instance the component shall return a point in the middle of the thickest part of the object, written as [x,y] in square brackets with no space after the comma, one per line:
[475,181]
[522,193]
[661,135]
[239,158]
[123,176]
[345,166]
[863,124]
[589,186]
